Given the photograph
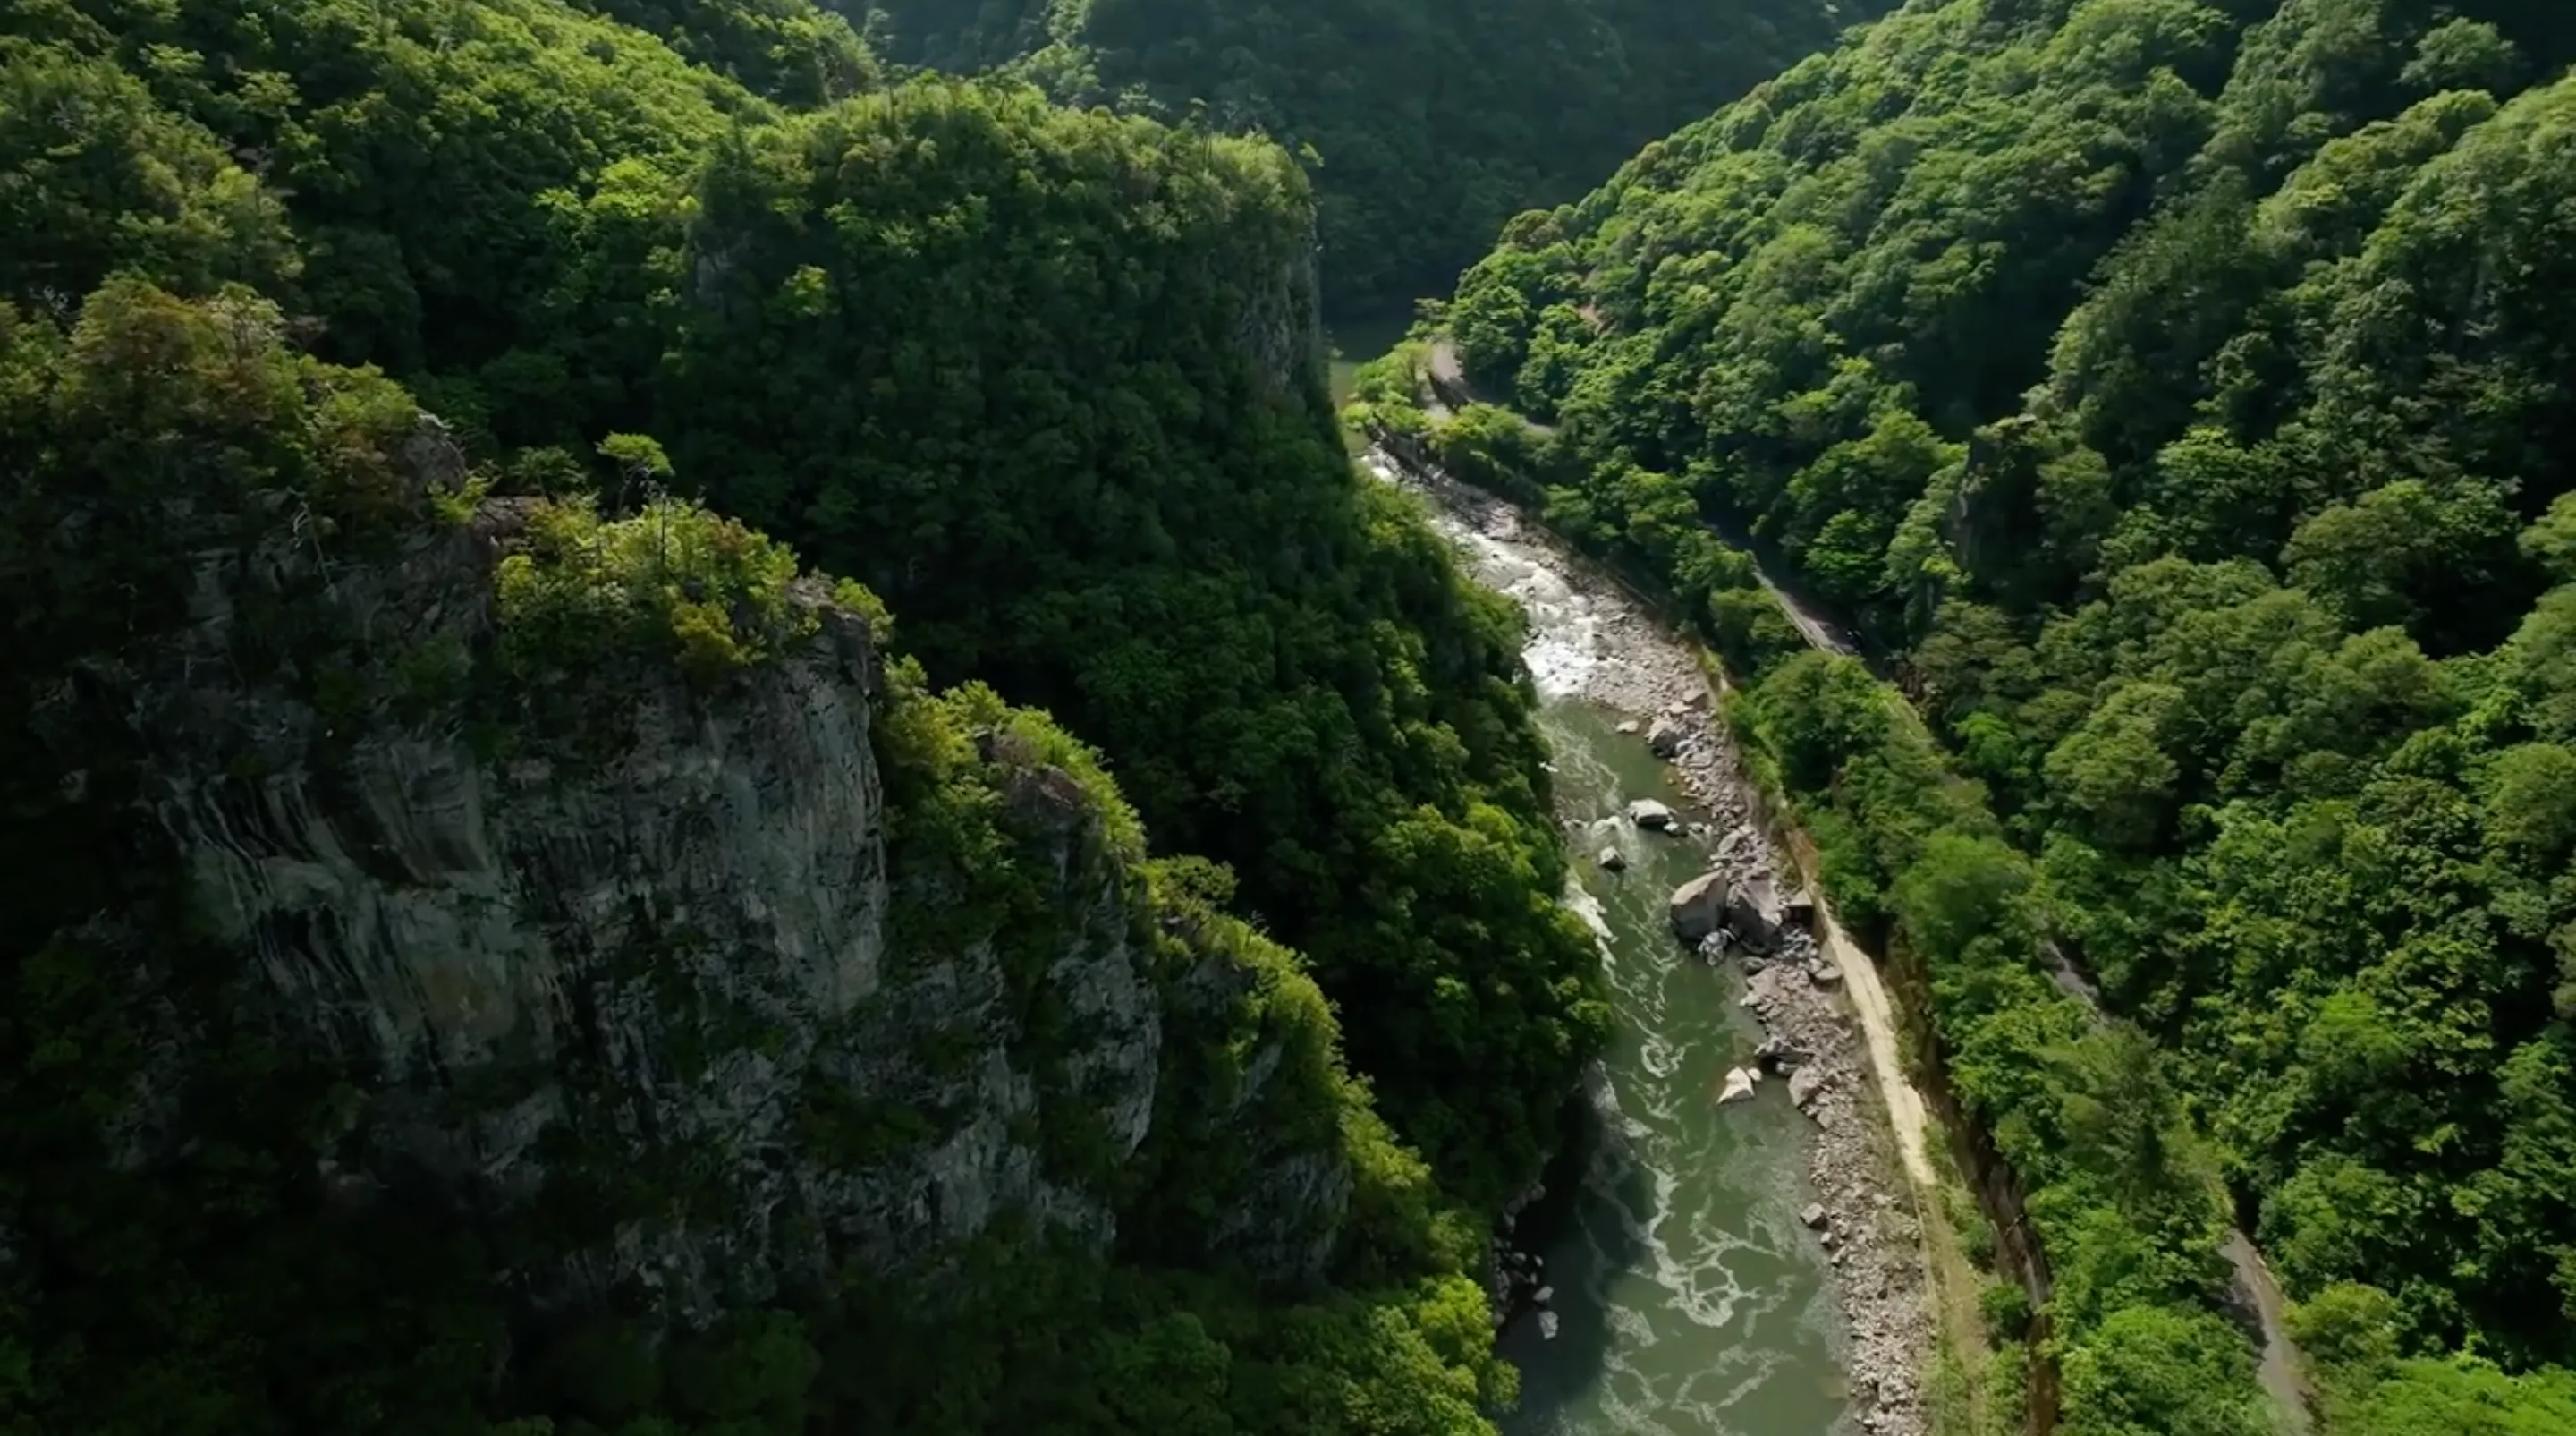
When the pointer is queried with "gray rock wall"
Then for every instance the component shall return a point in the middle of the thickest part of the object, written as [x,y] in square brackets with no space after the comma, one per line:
[672,950]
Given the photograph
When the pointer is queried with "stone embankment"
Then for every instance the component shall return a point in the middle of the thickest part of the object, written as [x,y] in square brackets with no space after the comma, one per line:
[1864,1214]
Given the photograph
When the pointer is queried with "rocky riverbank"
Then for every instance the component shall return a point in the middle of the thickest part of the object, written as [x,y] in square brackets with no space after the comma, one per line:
[1616,655]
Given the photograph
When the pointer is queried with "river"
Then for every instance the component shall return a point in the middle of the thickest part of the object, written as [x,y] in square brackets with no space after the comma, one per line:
[1690,1299]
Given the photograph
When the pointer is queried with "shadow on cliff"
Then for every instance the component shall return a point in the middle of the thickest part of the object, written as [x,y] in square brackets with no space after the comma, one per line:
[1585,1246]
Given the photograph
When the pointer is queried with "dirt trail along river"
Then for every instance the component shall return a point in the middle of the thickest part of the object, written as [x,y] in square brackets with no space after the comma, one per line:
[1750,1268]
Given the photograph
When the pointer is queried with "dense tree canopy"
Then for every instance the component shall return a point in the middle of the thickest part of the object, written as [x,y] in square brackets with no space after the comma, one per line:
[1426,124]
[1045,380]
[2176,396]
[880,331]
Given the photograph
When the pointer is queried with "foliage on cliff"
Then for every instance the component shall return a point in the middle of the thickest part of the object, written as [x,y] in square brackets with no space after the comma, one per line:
[1047,381]
[1425,125]
[2175,395]
[1044,380]
[179,1262]
[1160,542]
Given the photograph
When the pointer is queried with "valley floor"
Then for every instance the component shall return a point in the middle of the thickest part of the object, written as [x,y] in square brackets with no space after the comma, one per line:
[1869,1159]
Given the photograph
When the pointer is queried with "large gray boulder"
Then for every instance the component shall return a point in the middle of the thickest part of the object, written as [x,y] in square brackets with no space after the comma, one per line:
[1698,907]
[1753,913]
[1665,738]
[1650,815]
[1748,909]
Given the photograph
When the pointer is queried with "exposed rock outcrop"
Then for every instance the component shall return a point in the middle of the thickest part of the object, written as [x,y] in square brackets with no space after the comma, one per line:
[643,921]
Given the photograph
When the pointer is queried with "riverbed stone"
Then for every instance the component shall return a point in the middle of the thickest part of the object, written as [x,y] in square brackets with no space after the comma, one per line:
[1698,907]
[1650,815]
[1825,974]
[1782,1054]
[1805,1085]
[1739,1087]
[1665,738]
[1753,912]
[1814,1217]
[1612,860]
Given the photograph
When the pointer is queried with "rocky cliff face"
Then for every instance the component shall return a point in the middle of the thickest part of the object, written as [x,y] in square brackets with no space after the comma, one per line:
[668,952]
[1282,325]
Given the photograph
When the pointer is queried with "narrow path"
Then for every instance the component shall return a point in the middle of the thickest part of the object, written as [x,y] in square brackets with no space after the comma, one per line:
[2284,1375]
[1810,622]
[1905,1112]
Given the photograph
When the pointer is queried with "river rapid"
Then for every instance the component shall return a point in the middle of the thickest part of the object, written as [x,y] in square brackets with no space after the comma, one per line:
[1735,1270]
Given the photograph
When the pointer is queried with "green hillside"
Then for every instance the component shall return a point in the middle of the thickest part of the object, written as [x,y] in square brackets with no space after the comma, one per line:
[1423,126]
[1049,384]
[2174,397]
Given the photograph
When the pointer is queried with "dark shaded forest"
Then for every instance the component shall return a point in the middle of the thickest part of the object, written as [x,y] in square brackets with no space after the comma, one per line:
[2175,399]
[1041,384]
[1423,126]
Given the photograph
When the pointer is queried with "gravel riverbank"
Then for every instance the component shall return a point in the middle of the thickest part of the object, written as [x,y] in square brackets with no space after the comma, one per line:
[1617,655]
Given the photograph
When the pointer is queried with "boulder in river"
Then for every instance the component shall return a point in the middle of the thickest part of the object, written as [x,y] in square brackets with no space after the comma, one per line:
[1646,813]
[1714,901]
[1739,1086]
[1665,738]
[1547,1326]
[1612,860]
[1698,907]
[1814,1216]
[1825,974]
[1628,725]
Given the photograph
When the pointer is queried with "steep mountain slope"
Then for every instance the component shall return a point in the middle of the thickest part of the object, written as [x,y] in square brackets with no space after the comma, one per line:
[881,331]
[472,960]
[517,920]
[1426,125]
[2175,395]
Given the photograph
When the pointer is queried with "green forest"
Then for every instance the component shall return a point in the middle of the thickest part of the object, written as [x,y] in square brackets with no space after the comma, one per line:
[2173,399]
[1041,391]
[1423,125]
